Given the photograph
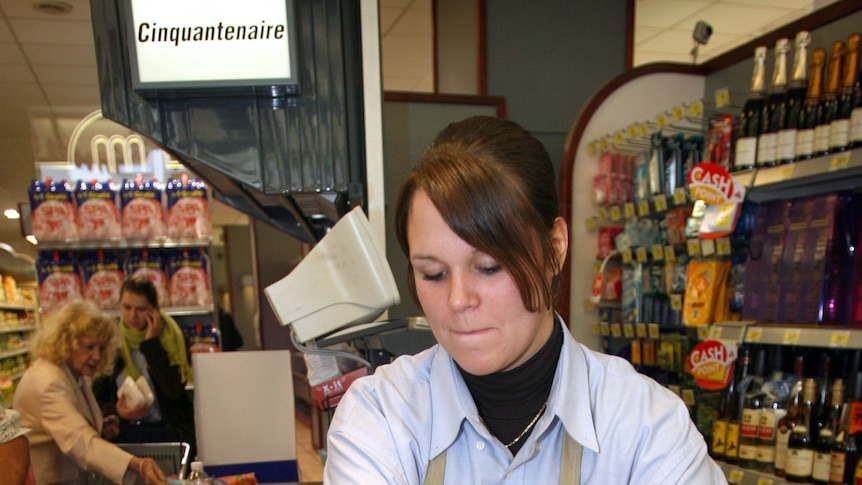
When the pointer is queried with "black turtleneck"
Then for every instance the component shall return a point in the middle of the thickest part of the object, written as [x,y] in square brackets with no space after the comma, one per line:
[508,401]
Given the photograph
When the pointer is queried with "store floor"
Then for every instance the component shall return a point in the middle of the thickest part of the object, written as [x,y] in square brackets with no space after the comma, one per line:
[308,458]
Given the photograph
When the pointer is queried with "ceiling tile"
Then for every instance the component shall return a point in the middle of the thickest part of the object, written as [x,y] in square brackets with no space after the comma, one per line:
[15,73]
[666,13]
[10,53]
[53,31]
[24,9]
[61,54]
[53,74]
[734,18]
[414,23]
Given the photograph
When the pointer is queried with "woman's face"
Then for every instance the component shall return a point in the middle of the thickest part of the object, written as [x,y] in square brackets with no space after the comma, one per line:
[472,304]
[134,308]
[86,358]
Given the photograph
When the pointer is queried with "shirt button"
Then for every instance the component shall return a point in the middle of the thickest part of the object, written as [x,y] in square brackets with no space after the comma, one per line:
[480,445]
[509,474]
[538,446]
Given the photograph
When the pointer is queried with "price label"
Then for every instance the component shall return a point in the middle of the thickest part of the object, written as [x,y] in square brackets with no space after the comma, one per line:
[604,142]
[716,331]
[839,161]
[678,112]
[619,136]
[605,329]
[676,302]
[703,332]
[674,389]
[627,255]
[615,213]
[628,330]
[643,129]
[753,334]
[657,252]
[693,247]
[680,196]
[592,148]
[696,108]
[722,246]
[653,330]
[660,203]
[669,254]
[643,208]
[641,255]
[785,171]
[616,330]
[688,396]
[764,481]
[722,97]
[629,210]
[589,305]
[735,476]
[661,120]
[791,336]
[595,328]
[641,330]
[839,339]
[591,223]
[631,130]
[602,214]
[707,247]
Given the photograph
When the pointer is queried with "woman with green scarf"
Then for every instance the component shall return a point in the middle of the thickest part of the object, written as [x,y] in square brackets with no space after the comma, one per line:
[151,345]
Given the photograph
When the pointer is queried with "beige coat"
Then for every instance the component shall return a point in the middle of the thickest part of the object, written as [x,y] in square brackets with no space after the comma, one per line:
[65,441]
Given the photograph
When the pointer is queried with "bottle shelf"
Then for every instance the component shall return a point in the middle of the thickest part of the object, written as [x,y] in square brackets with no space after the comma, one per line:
[828,173]
[744,476]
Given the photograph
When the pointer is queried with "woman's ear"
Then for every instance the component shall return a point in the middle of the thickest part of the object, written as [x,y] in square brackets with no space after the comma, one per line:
[560,242]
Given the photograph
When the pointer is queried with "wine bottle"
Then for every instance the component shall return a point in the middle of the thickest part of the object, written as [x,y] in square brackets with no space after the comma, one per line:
[767,142]
[752,390]
[828,107]
[845,451]
[821,405]
[807,120]
[745,153]
[788,422]
[787,114]
[830,418]
[773,408]
[800,447]
[839,131]
[731,450]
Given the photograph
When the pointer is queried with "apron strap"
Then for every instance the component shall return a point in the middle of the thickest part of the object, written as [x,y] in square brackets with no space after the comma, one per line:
[570,464]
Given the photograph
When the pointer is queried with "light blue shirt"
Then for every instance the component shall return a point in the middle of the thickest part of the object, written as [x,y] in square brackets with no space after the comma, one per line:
[389,426]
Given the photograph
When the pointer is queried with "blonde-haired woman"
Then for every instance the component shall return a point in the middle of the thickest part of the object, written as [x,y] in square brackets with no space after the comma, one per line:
[68,437]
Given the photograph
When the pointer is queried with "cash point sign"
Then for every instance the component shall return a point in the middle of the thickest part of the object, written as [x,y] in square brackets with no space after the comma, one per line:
[211,43]
[711,363]
[711,183]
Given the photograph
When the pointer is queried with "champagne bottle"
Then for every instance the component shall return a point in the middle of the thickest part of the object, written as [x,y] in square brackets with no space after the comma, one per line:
[823,446]
[839,131]
[752,391]
[773,408]
[788,422]
[821,406]
[767,142]
[828,107]
[845,451]
[745,153]
[800,447]
[807,121]
[787,115]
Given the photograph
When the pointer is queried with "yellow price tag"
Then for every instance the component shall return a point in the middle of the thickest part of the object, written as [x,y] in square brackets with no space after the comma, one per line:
[592,148]
[839,161]
[641,330]
[619,136]
[589,306]
[676,302]
[643,208]
[669,254]
[696,108]
[631,130]
[591,223]
[615,213]
[716,331]
[616,330]
[839,338]
[602,214]
[629,210]
[657,252]
[653,330]
[680,197]
[678,112]
[641,255]
[628,330]
[702,331]
[764,481]
[786,171]
[604,143]
[791,336]
[595,328]
[661,120]
[627,255]
[753,334]
[605,329]
[722,97]
[660,203]
[688,396]
[693,246]
[735,476]
[722,246]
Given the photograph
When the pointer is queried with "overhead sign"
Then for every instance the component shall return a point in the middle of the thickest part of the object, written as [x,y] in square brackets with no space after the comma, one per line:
[212,43]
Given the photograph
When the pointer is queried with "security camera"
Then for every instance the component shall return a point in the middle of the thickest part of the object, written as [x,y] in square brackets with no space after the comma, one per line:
[702,32]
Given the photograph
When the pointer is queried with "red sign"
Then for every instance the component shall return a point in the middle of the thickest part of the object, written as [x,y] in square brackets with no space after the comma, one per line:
[711,183]
[711,363]
[329,393]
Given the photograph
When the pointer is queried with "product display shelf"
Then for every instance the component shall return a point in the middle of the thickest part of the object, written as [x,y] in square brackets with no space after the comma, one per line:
[828,173]
[114,244]
[744,476]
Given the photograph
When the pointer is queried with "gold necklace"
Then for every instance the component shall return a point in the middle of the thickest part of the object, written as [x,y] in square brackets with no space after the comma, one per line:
[528,428]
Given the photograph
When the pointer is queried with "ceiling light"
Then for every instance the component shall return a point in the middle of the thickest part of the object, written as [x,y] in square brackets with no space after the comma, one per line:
[31,239]
[11,214]
[52,7]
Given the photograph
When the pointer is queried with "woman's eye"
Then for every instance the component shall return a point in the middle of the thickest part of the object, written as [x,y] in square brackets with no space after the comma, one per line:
[432,277]
[489,270]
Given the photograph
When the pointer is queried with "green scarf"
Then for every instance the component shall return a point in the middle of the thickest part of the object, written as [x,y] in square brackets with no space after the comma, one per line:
[171,339]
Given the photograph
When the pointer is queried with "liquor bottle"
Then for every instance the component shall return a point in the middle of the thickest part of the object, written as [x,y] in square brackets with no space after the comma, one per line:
[731,450]
[839,131]
[718,446]
[787,114]
[751,389]
[807,121]
[745,154]
[830,418]
[773,408]
[800,447]
[822,409]
[788,422]
[828,107]
[845,452]
[767,142]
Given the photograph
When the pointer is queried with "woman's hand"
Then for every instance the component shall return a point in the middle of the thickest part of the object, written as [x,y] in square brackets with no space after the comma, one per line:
[154,324]
[131,413]
[148,470]
[110,427]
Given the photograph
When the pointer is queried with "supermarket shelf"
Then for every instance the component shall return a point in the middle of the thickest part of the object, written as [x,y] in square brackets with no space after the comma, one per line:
[808,336]
[16,329]
[176,311]
[829,173]
[13,353]
[17,306]
[743,476]
[125,244]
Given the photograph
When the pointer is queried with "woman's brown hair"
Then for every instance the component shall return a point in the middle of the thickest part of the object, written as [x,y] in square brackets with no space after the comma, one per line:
[493,183]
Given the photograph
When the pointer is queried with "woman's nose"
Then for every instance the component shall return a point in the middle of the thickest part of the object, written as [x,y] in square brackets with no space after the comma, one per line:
[461,293]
